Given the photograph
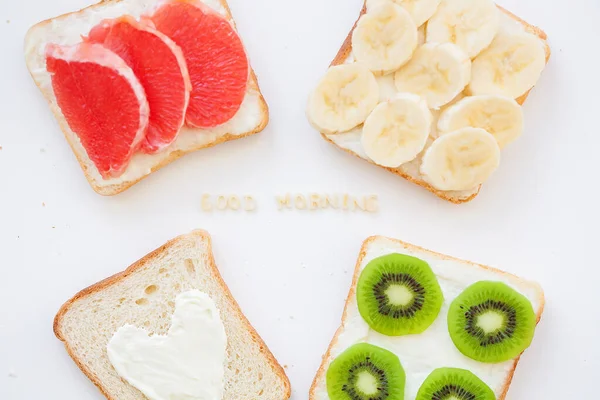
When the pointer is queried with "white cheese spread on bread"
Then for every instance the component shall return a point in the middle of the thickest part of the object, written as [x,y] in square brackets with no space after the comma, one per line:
[185,364]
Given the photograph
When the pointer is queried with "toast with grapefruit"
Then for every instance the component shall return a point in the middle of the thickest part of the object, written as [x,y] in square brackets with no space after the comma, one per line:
[136,84]
[146,295]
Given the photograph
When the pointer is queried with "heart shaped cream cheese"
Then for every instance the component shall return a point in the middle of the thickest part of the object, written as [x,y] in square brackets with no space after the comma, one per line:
[186,364]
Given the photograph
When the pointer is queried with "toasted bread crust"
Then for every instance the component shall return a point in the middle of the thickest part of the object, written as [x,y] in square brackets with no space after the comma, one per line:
[111,190]
[345,52]
[363,252]
[98,287]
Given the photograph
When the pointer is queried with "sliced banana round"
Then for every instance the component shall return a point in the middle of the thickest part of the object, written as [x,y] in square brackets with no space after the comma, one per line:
[397,130]
[510,66]
[470,24]
[384,38]
[419,10]
[343,99]
[499,115]
[461,160]
[437,72]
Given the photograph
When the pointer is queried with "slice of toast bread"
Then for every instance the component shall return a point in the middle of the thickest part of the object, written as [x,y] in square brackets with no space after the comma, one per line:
[67,29]
[410,171]
[144,296]
[433,348]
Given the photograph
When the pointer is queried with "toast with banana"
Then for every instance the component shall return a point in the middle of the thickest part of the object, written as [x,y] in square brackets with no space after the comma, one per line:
[419,325]
[431,90]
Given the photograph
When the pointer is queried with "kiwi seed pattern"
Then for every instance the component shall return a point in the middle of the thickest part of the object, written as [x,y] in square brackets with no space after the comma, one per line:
[378,373]
[473,329]
[452,391]
[399,311]
[489,322]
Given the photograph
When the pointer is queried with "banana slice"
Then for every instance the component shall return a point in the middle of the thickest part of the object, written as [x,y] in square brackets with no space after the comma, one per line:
[461,160]
[470,24]
[419,10]
[343,99]
[397,130]
[437,72]
[384,38]
[501,116]
[510,66]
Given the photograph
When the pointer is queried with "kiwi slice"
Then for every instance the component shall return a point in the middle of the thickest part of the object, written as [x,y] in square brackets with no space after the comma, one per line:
[398,295]
[366,372]
[454,384]
[491,322]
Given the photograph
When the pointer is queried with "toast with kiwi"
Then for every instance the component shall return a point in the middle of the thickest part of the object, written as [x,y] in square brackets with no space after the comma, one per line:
[358,130]
[422,325]
[145,296]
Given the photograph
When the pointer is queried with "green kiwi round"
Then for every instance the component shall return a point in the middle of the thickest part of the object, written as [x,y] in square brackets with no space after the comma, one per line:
[491,322]
[398,295]
[454,384]
[366,372]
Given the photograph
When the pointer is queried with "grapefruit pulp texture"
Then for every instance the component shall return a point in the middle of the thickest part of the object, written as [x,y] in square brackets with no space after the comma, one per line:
[102,101]
[215,58]
[159,65]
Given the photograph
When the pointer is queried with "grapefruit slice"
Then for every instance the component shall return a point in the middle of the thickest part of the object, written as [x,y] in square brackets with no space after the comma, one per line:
[102,101]
[215,58]
[159,65]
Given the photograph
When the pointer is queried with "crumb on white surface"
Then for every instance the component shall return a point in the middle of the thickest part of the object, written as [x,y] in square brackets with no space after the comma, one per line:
[12,373]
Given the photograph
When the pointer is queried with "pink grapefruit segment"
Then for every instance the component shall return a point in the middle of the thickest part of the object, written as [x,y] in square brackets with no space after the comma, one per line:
[215,58]
[160,67]
[101,100]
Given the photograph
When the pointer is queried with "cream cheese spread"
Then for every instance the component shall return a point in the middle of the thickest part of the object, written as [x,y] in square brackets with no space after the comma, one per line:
[186,364]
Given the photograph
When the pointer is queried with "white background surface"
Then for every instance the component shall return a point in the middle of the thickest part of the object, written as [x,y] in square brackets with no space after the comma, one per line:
[290,271]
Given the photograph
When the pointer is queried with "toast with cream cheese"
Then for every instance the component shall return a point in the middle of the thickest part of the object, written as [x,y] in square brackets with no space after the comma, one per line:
[144,296]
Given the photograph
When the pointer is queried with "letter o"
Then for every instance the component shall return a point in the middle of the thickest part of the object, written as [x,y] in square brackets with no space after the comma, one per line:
[221,203]
[233,202]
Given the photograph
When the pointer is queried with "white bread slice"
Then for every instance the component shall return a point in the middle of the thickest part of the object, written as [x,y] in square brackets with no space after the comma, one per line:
[143,296]
[66,29]
[421,354]
[350,142]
